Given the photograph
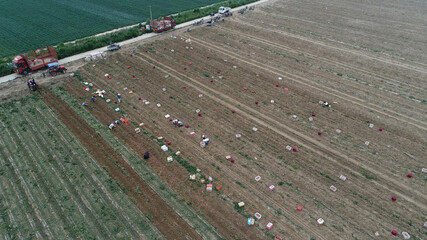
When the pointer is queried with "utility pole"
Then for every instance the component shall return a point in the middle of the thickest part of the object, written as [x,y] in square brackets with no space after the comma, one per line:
[151,14]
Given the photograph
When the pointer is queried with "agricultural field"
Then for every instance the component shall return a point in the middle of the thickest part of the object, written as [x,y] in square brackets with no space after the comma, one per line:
[52,187]
[28,26]
[251,84]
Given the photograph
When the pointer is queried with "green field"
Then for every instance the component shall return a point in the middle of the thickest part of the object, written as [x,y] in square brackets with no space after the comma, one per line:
[51,187]
[29,25]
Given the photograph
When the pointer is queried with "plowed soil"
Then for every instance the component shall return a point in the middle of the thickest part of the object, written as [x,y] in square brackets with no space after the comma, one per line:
[165,218]
[268,69]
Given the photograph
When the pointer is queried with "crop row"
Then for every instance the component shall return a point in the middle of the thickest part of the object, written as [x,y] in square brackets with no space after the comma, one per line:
[183,101]
[57,184]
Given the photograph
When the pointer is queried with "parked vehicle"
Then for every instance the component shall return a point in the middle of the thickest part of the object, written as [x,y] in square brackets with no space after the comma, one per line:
[223,10]
[54,68]
[113,47]
[163,24]
[42,57]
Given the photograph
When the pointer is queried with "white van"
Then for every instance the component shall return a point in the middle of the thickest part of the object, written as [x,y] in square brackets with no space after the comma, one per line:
[223,10]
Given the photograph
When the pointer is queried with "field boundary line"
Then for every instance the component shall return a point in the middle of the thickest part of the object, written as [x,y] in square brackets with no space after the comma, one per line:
[227,103]
[318,87]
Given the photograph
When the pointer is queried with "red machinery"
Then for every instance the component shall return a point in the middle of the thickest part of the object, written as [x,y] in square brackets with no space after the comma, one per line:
[24,64]
[161,25]
[54,68]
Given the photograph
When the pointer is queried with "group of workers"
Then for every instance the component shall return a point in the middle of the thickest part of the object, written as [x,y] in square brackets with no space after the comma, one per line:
[178,123]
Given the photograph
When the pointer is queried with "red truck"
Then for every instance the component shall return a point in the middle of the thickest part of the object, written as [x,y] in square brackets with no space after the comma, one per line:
[42,57]
[161,25]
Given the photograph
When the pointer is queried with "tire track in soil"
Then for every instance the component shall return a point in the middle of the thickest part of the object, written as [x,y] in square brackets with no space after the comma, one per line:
[184,140]
[184,73]
[163,216]
[221,225]
[121,76]
[272,81]
[305,139]
[181,73]
[318,87]
[262,196]
[381,59]
[170,63]
[314,57]
[200,153]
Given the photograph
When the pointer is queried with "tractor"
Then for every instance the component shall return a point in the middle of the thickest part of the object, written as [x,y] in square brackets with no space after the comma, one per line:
[54,68]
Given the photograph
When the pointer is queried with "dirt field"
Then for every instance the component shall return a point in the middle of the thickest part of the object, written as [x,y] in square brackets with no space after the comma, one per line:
[268,69]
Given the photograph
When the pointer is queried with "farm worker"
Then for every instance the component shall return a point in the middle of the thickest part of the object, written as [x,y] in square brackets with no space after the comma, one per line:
[180,124]
[92,99]
[326,104]
[206,141]
[84,103]
[134,50]
[117,122]
[174,122]
[146,155]
[119,97]
[111,126]
[32,81]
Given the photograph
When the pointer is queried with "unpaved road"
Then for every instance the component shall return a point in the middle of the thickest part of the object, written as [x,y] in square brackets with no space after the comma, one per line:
[123,43]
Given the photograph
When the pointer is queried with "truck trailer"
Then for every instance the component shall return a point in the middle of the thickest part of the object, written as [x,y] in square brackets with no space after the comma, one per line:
[163,24]
[42,57]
